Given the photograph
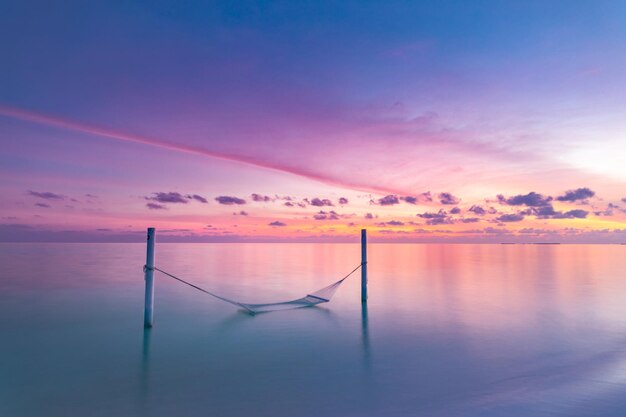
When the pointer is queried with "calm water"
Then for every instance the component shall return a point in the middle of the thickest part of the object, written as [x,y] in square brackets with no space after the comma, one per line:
[450,330]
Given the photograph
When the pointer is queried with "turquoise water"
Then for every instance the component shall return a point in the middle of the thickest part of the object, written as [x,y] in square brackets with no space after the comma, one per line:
[449,330]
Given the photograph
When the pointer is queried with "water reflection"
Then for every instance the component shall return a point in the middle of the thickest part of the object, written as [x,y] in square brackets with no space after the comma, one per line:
[142,400]
[457,330]
[365,337]
[145,362]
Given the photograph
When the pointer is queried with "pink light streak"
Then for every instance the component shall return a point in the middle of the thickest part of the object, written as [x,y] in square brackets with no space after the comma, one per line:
[47,120]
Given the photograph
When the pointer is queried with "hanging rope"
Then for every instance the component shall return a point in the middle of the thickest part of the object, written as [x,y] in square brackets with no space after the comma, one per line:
[308,300]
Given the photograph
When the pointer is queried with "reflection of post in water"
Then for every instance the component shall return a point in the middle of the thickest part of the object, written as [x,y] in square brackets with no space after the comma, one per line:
[365,335]
[147,333]
[144,376]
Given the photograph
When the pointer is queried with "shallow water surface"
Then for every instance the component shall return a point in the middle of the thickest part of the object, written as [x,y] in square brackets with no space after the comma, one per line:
[449,330]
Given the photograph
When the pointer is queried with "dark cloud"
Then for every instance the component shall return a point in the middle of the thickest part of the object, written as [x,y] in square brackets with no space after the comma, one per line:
[624,200]
[572,214]
[455,210]
[197,198]
[448,199]
[391,223]
[388,200]
[91,196]
[241,213]
[369,216]
[169,197]
[508,218]
[477,210]
[576,214]
[175,198]
[291,204]
[155,206]
[531,199]
[260,198]
[46,195]
[229,200]
[277,224]
[606,212]
[319,202]
[343,200]
[323,215]
[470,220]
[544,211]
[42,205]
[548,212]
[440,217]
[610,210]
[577,194]
[439,214]
[423,197]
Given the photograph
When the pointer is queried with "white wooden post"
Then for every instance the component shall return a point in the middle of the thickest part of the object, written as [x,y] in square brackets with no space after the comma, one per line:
[149,277]
[363,265]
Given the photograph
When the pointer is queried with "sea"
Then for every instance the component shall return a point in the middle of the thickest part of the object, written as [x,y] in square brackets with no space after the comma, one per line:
[448,330]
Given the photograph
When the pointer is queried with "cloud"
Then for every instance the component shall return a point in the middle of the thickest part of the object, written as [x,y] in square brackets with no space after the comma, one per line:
[423,197]
[155,206]
[260,198]
[42,205]
[508,218]
[624,200]
[318,202]
[291,204]
[46,195]
[477,210]
[407,131]
[572,214]
[197,198]
[369,216]
[391,223]
[576,214]
[448,199]
[531,199]
[241,213]
[470,220]
[169,197]
[343,200]
[577,194]
[388,200]
[548,212]
[277,224]
[455,210]
[229,200]
[440,214]
[609,211]
[440,217]
[175,198]
[323,215]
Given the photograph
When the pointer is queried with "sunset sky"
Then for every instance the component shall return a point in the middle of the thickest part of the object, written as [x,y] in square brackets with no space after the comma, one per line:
[440,121]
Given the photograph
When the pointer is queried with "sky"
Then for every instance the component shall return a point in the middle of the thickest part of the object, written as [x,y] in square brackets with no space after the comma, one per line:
[422,121]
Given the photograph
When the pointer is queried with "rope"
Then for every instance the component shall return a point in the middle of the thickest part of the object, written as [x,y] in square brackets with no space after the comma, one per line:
[147,268]
[352,272]
[195,286]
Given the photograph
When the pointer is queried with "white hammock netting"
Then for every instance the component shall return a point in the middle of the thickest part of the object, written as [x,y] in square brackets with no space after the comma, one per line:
[320,296]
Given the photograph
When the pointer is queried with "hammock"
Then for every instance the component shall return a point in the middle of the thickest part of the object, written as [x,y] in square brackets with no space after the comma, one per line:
[320,296]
